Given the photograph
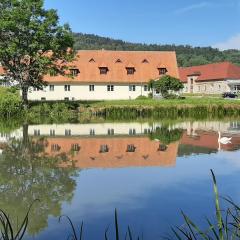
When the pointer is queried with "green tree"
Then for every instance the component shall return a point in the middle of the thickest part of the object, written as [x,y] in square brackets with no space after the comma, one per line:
[151,85]
[32,43]
[166,84]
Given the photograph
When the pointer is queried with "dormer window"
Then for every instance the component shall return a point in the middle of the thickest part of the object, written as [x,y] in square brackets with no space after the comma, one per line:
[118,61]
[91,60]
[103,70]
[104,149]
[145,61]
[162,71]
[74,72]
[130,70]
[131,148]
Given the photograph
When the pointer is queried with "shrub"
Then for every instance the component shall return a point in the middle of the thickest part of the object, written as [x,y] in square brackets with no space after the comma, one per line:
[10,103]
[141,97]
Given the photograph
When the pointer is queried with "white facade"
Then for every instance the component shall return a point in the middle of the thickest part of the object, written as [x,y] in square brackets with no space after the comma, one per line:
[210,87]
[91,91]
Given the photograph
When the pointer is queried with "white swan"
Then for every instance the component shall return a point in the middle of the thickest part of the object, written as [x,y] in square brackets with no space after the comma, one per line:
[223,140]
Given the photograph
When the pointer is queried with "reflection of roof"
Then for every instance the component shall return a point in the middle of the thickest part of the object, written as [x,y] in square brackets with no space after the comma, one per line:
[117,72]
[1,70]
[210,140]
[89,156]
[214,71]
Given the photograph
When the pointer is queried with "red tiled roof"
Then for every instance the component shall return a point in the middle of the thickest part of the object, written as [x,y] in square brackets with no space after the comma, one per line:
[215,71]
[146,153]
[89,71]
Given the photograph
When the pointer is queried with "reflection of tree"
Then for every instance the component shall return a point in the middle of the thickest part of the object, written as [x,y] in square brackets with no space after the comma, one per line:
[26,174]
[166,135]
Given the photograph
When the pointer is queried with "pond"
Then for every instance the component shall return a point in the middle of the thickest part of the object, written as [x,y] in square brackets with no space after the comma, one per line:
[148,170]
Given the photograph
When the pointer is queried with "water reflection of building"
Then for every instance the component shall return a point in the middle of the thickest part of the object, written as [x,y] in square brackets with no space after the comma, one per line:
[113,152]
[209,140]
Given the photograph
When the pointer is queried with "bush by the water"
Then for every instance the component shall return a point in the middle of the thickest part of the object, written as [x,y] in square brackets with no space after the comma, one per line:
[10,102]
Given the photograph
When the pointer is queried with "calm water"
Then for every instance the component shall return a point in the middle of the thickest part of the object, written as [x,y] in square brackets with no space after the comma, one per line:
[148,171]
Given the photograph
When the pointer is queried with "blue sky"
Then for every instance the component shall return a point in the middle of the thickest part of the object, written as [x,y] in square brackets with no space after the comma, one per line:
[195,22]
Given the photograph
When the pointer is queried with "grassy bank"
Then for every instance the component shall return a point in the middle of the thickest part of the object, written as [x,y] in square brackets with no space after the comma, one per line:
[190,107]
[196,107]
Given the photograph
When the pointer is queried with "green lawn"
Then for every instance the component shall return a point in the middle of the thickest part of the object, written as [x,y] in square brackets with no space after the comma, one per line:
[202,101]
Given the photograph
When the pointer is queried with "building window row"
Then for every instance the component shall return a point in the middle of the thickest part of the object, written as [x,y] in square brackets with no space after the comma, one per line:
[110,88]
[104,70]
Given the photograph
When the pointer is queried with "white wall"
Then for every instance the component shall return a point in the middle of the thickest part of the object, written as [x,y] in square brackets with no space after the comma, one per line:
[81,92]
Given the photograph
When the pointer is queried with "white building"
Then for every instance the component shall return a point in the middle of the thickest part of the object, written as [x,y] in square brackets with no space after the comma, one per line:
[214,78]
[108,75]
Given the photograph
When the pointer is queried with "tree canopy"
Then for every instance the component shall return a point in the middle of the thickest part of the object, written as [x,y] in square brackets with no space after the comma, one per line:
[166,84]
[32,43]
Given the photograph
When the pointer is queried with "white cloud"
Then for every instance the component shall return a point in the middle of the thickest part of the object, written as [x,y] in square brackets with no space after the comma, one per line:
[192,7]
[231,43]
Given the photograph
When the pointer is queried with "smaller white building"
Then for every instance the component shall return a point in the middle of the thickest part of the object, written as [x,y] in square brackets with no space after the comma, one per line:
[214,78]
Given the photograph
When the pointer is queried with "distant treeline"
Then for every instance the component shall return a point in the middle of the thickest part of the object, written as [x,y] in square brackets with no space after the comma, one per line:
[186,54]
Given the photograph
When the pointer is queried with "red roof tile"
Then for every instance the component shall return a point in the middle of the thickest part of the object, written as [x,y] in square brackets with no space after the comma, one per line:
[215,71]
[89,71]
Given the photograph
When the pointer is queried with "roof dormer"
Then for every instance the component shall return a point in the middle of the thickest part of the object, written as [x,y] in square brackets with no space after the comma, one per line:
[145,61]
[91,60]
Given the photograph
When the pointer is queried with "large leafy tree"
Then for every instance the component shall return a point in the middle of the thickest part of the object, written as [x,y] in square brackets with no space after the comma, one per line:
[32,43]
[168,83]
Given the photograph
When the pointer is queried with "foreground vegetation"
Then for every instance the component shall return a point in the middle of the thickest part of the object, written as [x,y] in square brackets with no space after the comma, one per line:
[226,225]
[186,55]
[59,111]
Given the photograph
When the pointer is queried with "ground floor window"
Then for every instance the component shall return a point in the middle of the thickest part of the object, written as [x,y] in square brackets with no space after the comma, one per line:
[132,88]
[67,88]
[51,88]
[145,88]
[91,88]
[237,87]
[110,88]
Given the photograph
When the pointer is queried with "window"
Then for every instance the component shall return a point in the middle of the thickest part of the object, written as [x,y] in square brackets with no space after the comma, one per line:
[55,148]
[35,89]
[191,80]
[91,88]
[92,132]
[67,88]
[162,148]
[74,72]
[132,131]
[66,98]
[162,71]
[110,88]
[51,88]
[130,71]
[75,147]
[104,149]
[118,61]
[67,132]
[103,70]
[131,148]
[52,132]
[145,88]
[36,132]
[110,131]
[145,61]
[132,88]
[43,99]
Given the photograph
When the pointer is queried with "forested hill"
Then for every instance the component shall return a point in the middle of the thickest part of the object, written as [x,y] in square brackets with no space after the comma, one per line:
[187,55]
